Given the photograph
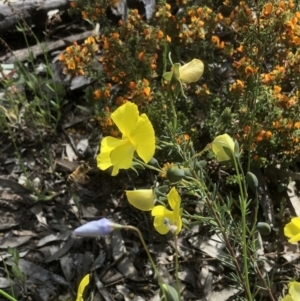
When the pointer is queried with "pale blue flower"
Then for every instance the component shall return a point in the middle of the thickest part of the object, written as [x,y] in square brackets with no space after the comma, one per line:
[97,228]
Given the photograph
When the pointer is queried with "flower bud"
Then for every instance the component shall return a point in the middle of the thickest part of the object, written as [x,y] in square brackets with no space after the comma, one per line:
[263,228]
[223,147]
[191,72]
[154,162]
[142,199]
[97,228]
[252,181]
[175,174]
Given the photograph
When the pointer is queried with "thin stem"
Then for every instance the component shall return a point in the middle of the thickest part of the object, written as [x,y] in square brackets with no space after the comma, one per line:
[229,247]
[264,282]
[243,205]
[173,110]
[159,279]
[7,296]
[165,45]
[149,166]
[236,167]
[255,215]
[177,267]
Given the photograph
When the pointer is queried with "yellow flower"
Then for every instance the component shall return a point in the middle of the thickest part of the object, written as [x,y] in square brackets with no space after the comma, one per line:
[138,135]
[292,230]
[142,199]
[191,72]
[82,285]
[218,147]
[166,220]
[188,73]
[294,292]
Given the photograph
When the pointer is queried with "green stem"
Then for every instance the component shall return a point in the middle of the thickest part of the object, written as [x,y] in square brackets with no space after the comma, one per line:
[159,279]
[236,167]
[255,215]
[171,95]
[165,44]
[177,267]
[10,281]
[243,205]
[7,296]
[149,166]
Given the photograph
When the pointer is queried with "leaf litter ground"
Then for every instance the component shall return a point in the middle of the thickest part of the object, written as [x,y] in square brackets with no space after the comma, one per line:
[38,222]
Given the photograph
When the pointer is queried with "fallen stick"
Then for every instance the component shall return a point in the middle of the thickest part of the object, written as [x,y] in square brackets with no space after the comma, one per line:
[22,54]
[14,11]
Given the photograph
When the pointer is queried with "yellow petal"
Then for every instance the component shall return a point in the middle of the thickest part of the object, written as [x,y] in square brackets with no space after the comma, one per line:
[83,283]
[126,117]
[287,298]
[122,155]
[293,228]
[192,71]
[161,211]
[107,145]
[294,290]
[159,225]
[143,138]
[174,199]
[178,223]
[165,220]
[295,238]
[218,145]
[296,221]
[142,199]
[115,171]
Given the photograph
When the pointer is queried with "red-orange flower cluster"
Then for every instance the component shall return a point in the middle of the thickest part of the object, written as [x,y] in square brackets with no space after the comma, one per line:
[76,58]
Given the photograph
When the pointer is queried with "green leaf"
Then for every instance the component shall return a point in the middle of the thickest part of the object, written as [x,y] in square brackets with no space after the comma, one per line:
[85,109]
[182,91]
[201,164]
[236,149]
[228,152]
[89,95]
[132,168]
[54,104]
[154,162]
[49,87]
[176,71]
[170,293]
[177,89]
[161,191]
[168,76]
[252,181]
[188,172]
[137,165]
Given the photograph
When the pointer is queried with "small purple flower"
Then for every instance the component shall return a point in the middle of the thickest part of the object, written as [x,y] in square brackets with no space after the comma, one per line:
[96,228]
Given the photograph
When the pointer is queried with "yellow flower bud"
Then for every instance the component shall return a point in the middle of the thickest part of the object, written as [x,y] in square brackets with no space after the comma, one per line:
[218,147]
[142,199]
[191,72]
